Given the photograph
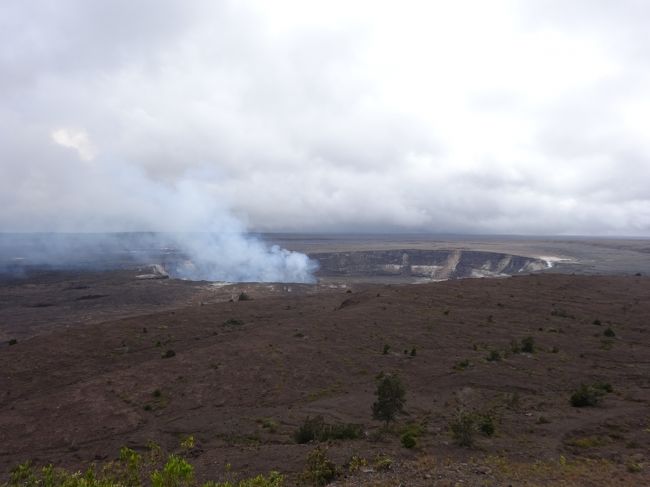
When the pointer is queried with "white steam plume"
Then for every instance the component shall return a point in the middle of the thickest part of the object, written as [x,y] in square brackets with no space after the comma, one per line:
[93,193]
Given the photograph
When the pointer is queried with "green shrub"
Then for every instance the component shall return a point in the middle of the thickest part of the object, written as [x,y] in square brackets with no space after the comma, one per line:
[494,356]
[528,345]
[382,463]
[486,424]
[386,349]
[356,463]
[13,341]
[274,479]
[130,470]
[463,427]
[316,429]
[244,297]
[408,440]
[462,365]
[586,396]
[603,386]
[233,322]
[390,398]
[319,470]
[176,473]
[269,424]
[515,347]
[609,333]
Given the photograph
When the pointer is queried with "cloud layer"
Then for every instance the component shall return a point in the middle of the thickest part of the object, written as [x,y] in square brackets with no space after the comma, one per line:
[469,116]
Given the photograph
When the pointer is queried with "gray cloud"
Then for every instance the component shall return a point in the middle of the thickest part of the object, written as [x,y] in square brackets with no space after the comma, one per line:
[515,117]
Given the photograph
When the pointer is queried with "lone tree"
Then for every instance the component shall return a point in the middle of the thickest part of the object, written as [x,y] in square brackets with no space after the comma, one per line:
[390,398]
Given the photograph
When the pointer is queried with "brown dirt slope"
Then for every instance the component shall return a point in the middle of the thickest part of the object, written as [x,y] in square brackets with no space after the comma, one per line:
[75,395]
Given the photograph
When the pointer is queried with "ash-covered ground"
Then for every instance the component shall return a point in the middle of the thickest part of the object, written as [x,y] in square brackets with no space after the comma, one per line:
[87,371]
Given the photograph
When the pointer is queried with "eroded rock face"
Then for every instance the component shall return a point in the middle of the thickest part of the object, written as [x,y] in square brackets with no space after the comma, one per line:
[426,264]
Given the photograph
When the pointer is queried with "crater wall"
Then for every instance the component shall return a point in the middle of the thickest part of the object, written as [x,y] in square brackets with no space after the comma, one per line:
[417,264]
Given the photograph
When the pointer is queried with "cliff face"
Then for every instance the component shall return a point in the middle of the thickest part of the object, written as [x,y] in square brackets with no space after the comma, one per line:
[428,264]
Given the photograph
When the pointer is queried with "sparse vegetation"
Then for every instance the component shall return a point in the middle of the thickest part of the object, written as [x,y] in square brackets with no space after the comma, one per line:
[356,463]
[130,470]
[169,354]
[269,424]
[13,341]
[463,364]
[486,424]
[243,297]
[233,322]
[562,313]
[382,463]
[316,429]
[587,442]
[609,333]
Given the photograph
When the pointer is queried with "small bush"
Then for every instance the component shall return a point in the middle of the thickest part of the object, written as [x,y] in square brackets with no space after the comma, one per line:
[169,354]
[269,424]
[597,322]
[486,424]
[176,472]
[528,345]
[413,352]
[382,463]
[609,333]
[586,396]
[462,365]
[316,429]
[410,434]
[233,322]
[562,313]
[463,428]
[408,440]
[356,463]
[319,470]
[386,350]
[515,347]
[13,341]
[494,356]
[244,297]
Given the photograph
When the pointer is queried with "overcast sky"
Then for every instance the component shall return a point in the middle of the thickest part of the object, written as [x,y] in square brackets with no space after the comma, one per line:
[523,117]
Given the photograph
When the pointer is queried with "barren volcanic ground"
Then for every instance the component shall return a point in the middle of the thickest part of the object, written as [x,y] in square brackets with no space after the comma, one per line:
[246,374]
